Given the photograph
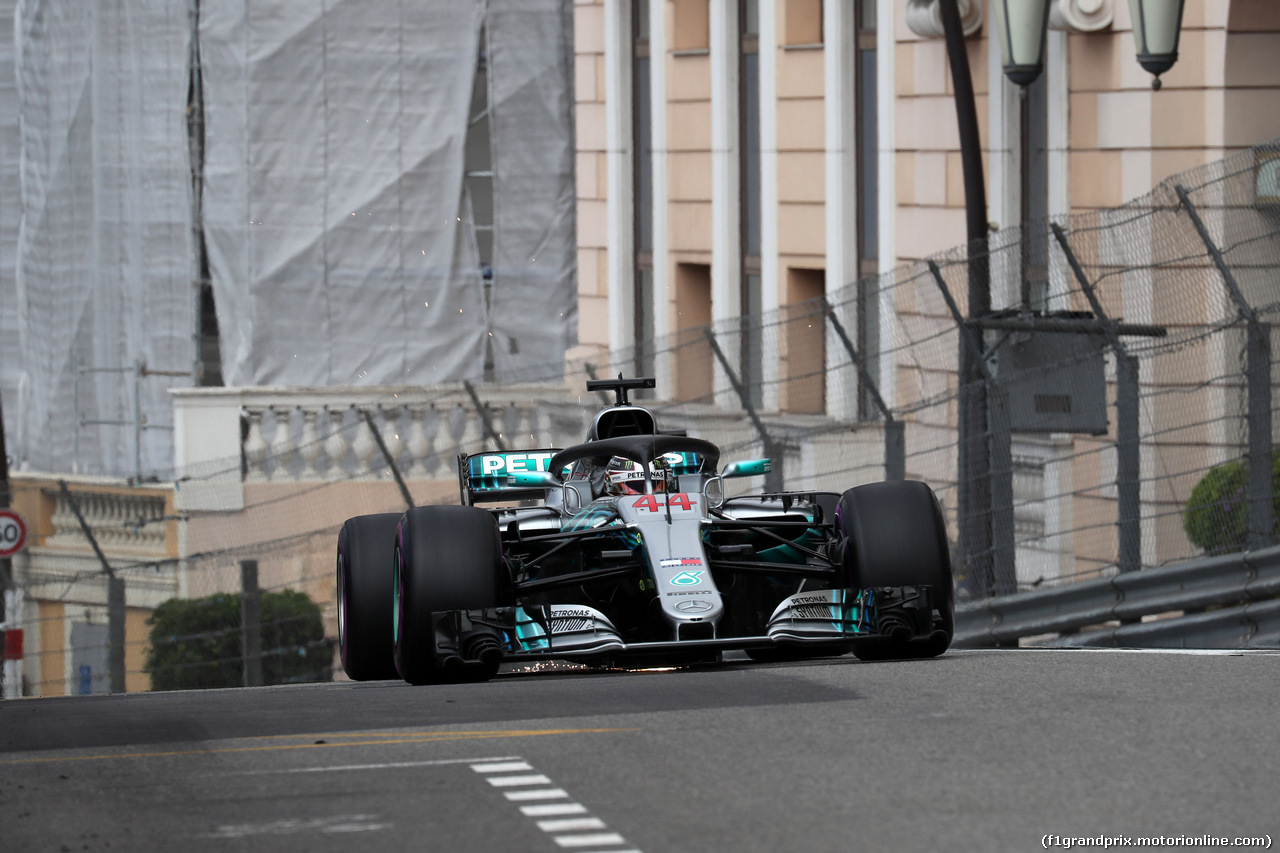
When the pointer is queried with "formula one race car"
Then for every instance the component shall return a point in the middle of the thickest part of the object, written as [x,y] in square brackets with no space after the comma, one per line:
[624,550]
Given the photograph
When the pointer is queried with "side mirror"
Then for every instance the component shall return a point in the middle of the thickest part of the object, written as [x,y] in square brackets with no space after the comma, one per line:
[713,491]
[747,468]
[572,501]
[534,480]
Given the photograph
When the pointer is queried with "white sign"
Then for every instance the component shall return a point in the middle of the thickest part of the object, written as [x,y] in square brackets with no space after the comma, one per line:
[13,533]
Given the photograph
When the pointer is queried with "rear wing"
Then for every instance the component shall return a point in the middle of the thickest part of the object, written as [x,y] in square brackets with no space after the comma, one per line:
[486,476]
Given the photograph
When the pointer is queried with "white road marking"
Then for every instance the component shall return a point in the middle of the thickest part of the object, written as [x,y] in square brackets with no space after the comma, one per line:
[501,767]
[589,840]
[573,824]
[392,765]
[556,809]
[569,832]
[335,823]
[1123,651]
[518,781]
[542,794]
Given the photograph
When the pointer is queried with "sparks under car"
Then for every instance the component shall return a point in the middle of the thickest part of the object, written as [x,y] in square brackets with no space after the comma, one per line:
[624,550]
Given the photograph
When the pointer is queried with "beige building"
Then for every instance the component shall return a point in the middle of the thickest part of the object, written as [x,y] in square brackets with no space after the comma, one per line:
[64,583]
[741,155]
[736,157]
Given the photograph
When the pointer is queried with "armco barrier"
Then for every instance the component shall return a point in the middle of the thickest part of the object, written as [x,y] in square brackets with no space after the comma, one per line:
[1242,585]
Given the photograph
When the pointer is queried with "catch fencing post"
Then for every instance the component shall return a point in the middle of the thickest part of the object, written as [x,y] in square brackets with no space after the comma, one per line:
[250,623]
[895,437]
[986,510]
[115,632]
[1258,378]
[1128,448]
[774,450]
[115,597]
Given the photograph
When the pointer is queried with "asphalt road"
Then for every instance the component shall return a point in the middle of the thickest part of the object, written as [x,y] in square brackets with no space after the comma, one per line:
[975,751]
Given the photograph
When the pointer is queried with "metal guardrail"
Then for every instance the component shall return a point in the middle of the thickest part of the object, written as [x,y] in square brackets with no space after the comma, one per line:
[1245,587]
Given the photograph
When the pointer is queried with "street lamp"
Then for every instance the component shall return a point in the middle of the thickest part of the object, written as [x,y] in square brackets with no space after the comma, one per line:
[1156,26]
[1020,27]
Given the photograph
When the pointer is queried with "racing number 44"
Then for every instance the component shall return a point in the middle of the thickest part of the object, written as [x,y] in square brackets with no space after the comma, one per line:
[649,503]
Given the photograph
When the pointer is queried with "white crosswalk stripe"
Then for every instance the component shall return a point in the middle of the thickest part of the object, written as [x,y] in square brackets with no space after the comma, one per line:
[538,794]
[571,833]
[555,809]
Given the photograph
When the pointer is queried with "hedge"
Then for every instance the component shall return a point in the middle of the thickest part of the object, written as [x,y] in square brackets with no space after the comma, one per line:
[196,642]
[1217,513]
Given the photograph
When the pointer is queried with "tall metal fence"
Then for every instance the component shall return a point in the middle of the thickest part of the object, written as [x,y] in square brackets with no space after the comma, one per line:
[1124,385]
[1119,414]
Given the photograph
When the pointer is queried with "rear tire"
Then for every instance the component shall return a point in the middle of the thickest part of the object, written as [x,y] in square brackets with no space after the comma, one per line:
[446,558]
[896,537]
[365,575]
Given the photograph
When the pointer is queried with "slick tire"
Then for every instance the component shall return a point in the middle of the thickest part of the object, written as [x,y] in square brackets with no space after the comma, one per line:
[446,558]
[895,537]
[365,575]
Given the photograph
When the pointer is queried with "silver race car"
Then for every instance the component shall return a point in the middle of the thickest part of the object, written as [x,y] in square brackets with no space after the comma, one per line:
[625,551]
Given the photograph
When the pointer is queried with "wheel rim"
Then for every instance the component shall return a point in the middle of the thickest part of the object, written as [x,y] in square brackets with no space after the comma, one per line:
[342,604]
[397,594]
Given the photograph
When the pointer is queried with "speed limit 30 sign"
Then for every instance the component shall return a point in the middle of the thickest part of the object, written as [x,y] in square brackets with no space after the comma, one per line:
[13,533]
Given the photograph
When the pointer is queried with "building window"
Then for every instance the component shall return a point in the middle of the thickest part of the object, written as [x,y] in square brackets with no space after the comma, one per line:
[866,128]
[752,297]
[804,22]
[804,341]
[642,175]
[694,358]
[1034,182]
[692,25]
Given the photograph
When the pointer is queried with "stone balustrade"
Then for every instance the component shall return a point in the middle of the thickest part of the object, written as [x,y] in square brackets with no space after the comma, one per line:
[227,438]
[126,520]
[284,434]
[302,436]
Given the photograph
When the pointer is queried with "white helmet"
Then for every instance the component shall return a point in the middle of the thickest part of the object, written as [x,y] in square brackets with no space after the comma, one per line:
[625,477]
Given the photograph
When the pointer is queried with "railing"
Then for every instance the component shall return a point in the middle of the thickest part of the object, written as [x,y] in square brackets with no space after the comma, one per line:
[1241,588]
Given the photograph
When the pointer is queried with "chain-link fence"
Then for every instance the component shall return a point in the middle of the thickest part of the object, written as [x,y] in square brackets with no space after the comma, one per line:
[1116,411]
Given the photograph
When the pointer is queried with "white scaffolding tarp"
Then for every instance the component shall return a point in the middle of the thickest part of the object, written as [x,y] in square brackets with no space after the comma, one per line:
[339,238]
[10,211]
[535,299]
[104,265]
[333,169]
[340,243]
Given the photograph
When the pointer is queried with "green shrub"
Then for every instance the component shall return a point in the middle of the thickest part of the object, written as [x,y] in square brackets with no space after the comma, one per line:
[196,642]
[1217,514]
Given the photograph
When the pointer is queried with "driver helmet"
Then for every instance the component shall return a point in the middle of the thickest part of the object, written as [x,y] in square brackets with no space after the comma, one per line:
[625,477]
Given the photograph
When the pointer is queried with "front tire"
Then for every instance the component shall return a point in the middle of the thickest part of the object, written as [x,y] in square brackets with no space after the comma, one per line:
[446,558]
[896,537]
[365,575]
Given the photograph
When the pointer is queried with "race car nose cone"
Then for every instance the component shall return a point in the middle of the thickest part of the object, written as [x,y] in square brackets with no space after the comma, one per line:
[694,606]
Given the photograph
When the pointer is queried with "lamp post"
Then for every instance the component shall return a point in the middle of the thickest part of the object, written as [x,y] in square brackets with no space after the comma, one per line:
[1021,29]
[974,488]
